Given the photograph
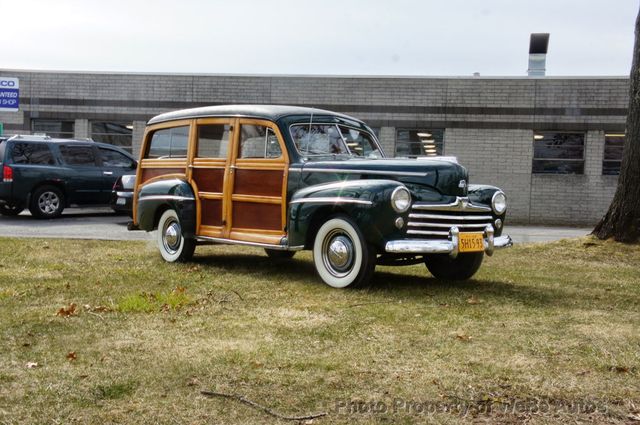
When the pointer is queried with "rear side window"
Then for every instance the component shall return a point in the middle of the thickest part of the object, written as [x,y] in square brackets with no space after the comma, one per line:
[32,154]
[78,155]
[213,140]
[169,143]
[111,158]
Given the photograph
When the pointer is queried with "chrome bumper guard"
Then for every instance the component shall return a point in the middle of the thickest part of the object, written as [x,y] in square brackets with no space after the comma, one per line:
[450,246]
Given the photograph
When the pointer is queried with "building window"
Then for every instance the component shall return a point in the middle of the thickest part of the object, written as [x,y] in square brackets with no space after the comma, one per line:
[115,133]
[613,144]
[558,153]
[414,143]
[54,128]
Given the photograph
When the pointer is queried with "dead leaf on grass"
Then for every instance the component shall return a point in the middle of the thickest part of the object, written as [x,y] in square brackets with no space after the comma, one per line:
[474,300]
[619,369]
[70,310]
[97,308]
[462,336]
[72,356]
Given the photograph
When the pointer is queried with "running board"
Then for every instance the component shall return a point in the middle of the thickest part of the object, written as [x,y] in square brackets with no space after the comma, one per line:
[245,243]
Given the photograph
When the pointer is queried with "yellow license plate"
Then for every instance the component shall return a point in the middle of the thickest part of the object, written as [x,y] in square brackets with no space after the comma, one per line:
[470,242]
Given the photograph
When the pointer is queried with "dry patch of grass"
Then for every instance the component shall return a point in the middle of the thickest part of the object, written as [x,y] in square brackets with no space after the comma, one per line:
[545,333]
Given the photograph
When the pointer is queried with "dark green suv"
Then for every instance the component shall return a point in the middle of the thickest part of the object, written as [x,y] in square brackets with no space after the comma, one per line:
[46,175]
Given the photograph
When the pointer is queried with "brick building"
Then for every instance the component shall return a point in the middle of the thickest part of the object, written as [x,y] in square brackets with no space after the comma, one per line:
[553,144]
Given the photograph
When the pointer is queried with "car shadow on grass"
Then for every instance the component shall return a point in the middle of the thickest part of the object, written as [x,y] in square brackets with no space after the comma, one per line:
[407,285]
[384,284]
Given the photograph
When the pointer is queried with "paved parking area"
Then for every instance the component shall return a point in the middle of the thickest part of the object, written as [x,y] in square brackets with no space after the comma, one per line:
[75,223]
[102,223]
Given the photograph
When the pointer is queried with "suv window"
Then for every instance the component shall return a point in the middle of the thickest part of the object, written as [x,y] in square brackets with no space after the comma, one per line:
[78,155]
[32,154]
[169,143]
[111,158]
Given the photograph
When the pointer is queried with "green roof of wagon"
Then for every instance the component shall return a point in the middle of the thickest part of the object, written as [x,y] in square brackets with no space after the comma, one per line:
[269,112]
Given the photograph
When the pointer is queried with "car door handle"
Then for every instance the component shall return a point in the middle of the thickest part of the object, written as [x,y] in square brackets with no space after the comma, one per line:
[107,173]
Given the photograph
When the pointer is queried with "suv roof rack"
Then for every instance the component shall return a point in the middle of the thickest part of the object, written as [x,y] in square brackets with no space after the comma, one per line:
[39,136]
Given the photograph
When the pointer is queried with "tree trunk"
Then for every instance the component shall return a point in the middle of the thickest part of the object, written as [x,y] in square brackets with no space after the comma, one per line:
[622,221]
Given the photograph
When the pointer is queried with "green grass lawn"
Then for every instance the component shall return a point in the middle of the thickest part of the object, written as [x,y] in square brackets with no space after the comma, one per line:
[548,333]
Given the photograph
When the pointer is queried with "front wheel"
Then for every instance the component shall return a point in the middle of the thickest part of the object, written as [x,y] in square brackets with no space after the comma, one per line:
[10,210]
[341,255]
[462,267]
[173,246]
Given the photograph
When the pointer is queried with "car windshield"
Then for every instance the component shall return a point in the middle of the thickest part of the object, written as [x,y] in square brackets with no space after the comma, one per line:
[331,139]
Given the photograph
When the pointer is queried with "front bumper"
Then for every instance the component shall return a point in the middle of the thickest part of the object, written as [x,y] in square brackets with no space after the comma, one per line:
[449,246]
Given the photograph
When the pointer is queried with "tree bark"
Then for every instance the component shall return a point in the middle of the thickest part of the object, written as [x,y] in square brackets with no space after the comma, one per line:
[622,220]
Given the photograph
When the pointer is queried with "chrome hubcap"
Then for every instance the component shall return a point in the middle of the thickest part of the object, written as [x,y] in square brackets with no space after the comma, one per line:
[171,236]
[48,202]
[338,253]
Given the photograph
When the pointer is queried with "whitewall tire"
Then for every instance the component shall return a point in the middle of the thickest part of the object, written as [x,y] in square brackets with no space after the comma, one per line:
[173,246]
[341,255]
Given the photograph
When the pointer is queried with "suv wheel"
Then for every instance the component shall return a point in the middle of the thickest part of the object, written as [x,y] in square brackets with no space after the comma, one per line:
[462,267]
[47,202]
[10,210]
[173,246]
[341,254]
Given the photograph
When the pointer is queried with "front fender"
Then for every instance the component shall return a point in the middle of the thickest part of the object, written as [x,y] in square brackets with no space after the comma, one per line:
[482,194]
[156,197]
[366,202]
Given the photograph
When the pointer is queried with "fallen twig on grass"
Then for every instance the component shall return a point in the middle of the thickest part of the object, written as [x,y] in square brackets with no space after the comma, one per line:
[375,302]
[237,293]
[255,405]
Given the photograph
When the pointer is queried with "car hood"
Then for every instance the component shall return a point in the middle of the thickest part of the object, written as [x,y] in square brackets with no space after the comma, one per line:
[420,175]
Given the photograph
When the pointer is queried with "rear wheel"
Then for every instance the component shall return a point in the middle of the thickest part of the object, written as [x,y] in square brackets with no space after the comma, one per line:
[10,210]
[462,267]
[46,202]
[277,254]
[341,254]
[173,246]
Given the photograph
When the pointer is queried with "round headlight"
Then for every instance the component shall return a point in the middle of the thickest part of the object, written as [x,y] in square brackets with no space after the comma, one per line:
[400,199]
[499,203]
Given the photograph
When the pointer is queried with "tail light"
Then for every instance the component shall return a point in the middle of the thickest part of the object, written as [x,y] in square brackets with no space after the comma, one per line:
[7,174]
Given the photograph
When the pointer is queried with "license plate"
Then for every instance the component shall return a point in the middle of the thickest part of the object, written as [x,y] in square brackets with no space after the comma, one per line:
[470,242]
[120,201]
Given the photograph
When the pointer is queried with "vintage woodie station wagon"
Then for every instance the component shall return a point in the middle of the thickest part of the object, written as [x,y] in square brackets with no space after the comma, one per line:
[288,178]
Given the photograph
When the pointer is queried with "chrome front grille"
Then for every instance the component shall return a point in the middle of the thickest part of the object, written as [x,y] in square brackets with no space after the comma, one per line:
[435,220]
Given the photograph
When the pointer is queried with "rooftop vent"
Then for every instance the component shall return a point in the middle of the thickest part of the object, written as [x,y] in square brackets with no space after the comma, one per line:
[538,45]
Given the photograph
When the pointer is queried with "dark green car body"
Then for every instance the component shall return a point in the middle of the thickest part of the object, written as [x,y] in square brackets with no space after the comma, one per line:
[78,172]
[359,189]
